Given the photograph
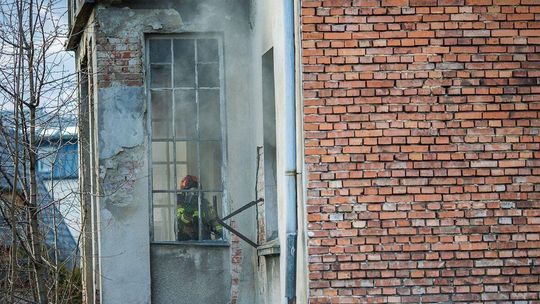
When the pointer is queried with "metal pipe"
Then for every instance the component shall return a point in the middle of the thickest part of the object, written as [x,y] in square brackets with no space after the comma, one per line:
[290,149]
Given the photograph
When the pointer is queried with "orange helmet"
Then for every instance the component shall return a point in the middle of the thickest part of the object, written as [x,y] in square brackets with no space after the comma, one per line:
[188,182]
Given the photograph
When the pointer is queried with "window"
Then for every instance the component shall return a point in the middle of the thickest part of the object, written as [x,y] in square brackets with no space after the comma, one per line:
[187,137]
[270,167]
[67,162]
[61,160]
[46,159]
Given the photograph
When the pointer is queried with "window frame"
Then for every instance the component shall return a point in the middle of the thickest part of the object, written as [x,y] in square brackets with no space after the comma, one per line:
[223,126]
[268,90]
[47,159]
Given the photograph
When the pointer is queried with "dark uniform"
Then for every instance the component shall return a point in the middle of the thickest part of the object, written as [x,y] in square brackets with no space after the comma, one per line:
[187,214]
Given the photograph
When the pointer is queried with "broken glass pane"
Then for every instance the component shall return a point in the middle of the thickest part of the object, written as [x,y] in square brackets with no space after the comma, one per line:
[208,75]
[207,50]
[185,114]
[209,112]
[160,76]
[211,160]
[184,63]
[160,51]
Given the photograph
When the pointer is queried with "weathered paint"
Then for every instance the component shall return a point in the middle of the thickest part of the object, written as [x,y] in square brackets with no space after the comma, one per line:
[131,269]
[125,29]
[199,273]
[121,119]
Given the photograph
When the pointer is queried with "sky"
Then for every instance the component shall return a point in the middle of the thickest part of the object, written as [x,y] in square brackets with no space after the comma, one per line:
[61,62]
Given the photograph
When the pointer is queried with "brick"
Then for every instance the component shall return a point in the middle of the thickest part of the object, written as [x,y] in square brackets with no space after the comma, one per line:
[395,3]
[476,33]
[511,163]
[421,34]
[504,33]
[479,2]
[392,215]
[464,17]
[337,36]
[450,2]
[530,33]
[423,2]
[445,247]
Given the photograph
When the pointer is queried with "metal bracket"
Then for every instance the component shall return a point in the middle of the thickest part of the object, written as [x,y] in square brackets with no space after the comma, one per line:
[231,229]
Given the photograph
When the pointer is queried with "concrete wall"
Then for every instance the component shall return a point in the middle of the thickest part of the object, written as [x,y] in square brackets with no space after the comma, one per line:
[188,274]
[125,250]
[270,31]
[86,64]
[66,191]
[128,268]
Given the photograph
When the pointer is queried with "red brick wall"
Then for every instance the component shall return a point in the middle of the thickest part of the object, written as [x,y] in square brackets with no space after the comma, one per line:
[422,147]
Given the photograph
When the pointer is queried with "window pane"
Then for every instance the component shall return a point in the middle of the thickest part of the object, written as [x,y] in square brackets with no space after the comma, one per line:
[46,159]
[164,222]
[210,210]
[163,177]
[186,139]
[185,114]
[161,114]
[181,173]
[186,155]
[187,215]
[184,63]
[211,165]
[208,75]
[160,50]
[209,111]
[162,152]
[163,200]
[207,50]
[160,76]
[270,157]
[161,129]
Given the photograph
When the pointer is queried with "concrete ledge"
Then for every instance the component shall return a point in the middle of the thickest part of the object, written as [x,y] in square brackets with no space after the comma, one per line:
[193,243]
[79,23]
[269,248]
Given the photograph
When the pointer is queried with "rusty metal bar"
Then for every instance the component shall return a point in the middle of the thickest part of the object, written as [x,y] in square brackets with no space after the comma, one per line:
[231,229]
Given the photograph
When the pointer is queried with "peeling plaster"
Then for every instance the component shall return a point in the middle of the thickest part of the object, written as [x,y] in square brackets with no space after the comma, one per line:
[124,207]
[199,272]
[119,182]
[114,22]
[120,106]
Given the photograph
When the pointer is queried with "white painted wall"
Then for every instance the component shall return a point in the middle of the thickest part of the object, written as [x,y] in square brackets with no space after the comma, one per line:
[66,193]
[124,245]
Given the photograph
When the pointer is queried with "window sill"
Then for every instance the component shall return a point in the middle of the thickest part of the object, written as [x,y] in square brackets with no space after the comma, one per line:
[269,248]
[194,243]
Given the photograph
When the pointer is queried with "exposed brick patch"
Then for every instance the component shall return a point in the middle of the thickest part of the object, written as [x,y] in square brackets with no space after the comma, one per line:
[236,265]
[119,60]
[261,221]
[422,149]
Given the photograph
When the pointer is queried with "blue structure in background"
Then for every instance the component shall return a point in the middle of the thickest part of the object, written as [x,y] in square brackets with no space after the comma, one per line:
[58,154]
[58,167]
[53,221]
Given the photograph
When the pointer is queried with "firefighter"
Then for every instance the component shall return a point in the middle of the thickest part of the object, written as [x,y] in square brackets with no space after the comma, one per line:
[187,213]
